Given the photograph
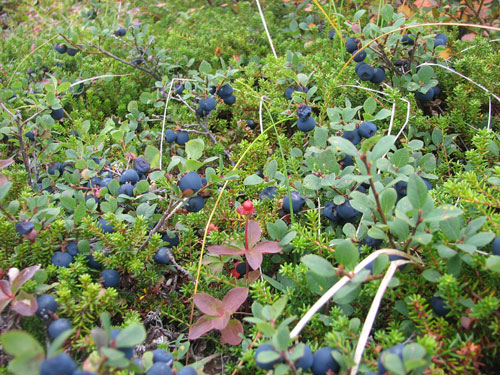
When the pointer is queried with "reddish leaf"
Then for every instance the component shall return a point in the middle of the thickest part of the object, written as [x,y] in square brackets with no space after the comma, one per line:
[221,321]
[5,291]
[5,163]
[24,304]
[24,276]
[225,250]
[268,247]
[253,233]
[202,326]
[230,334]
[3,180]
[208,304]
[234,299]
[4,303]
[254,259]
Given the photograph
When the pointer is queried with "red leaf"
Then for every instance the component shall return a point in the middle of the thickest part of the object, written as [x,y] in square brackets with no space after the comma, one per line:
[5,163]
[253,233]
[4,303]
[268,247]
[221,321]
[234,299]
[3,180]
[225,250]
[24,304]
[24,276]
[208,304]
[5,291]
[254,259]
[202,326]
[230,334]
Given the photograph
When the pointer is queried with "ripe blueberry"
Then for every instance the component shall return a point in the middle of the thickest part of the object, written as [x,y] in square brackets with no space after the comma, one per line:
[439,306]
[110,278]
[346,161]
[365,72]
[130,176]
[72,248]
[251,124]
[171,241]
[58,326]
[24,227]
[71,51]
[374,243]
[160,368]
[268,192]
[61,364]
[265,365]
[206,106]
[304,112]
[128,351]
[379,75]
[160,355]
[346,212]
[367,129]
[92,262]
[230,100]
[408,39]
[105,226]
[401,187]
[241,269]
[60,259]
[297,202]
[427,96]
[182,138]
[179,89]
[188,370]
[324,363]
[161,257]
[306,125]
[351,45]
[495,248]
[170,136]
[190,183]
[141,165]
[195,204]
[126,189]
[359,55]
[353,136]
[330,212]
[288,92]
[331,34]
[225,91]
[61,48]
[306,361]
[30,135]
[121,31]
[46,304]
[83,372]
[397,350]
[57,114]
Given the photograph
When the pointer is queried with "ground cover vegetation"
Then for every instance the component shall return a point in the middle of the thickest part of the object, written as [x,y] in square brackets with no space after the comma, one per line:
[242,187]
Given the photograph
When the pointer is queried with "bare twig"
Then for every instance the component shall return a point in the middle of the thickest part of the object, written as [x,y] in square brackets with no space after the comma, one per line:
[179,268]
[265,28]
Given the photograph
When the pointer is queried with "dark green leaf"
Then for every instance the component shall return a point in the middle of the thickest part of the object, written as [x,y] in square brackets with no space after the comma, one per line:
[417,191]
[131,336]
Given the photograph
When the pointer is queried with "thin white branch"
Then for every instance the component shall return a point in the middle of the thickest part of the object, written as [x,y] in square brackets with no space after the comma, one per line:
[489,113]
[265,28]
[260,114]
[98,77]
[465,77]
[372,313]
[392,118]
[474,46]
[164,120]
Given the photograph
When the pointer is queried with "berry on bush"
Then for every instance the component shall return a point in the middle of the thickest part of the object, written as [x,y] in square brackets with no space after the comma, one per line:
[225,91]
[58,326]
[170,136]
[188,370]
[161,256]
[495,247]
[195,204]
[61,48]
[24,227]
[46,304]
[306,125]
[346,212]
[379,75]
[439,306]
[182,138]
[265,365]
[365,72]
[268,192]
[297,202]
[129,176]
[57,114]
[141,165]
[190,183]
[351,44]
[60,259]
[121,31]
[353,136]
[306,361]
[160,368]
[61,364]
[126,189]
[110,278]
[230,100]
[367,129]
[359,55]
[105,226]
[161,355]
[323,363]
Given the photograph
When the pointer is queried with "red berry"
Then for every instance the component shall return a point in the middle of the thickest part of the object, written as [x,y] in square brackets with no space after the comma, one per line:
[248,205]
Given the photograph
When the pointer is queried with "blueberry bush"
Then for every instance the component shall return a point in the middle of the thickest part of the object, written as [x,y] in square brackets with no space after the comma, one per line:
[249,187]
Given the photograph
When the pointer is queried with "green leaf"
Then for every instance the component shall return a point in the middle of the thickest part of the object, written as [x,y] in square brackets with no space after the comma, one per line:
[320,136]
[400,158]
[388,199]
[26,363]
[370,105]
[141,187]
[493,263]
[17,343]
[278,307]
[318,265]
[281,339]
[131,336]
[480,239]
[205,67]
[444,212]
[425,73]
[319,284]
[152,155]
[253,180]
[417,191]
[267,356]
[393,363]
[382,147]
[342,145]
[346,254]
[312,182]
[451,228]
[194,148]
[4,190]
[431,275]
[57,343]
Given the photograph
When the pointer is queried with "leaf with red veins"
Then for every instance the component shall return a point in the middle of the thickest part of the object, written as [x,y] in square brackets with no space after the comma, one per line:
[203,325]
[230,334]
[24,276]
[24,304]
[268,247]
[208,304]
[225,250]
[234,299]
[253,233]
[254,258]
[5,291]
[221,321]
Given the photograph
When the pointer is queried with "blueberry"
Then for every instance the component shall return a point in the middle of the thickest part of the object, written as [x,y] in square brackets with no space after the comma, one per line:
[92,197]
[346,212]
[495,248]
[427,183]
[288,92]
[24,227]
[128,351]
[95,181]
[442,37]
[92,14]
[72,51]
[425,97]
[401,188]
[367,129]
[141,165]
[190,183]
[212,89]
[171,241]
[160,368]
[306,125]
[46,304]
[324,363]
[61,364]
[379,75]
[241,269]
[330,212]
[110,278]
[56,167]
[225,91]
[72,248]
[251,124]
[396,350]
[138,60]
[359,56]
[30,71]
[120,32]
[437,91]
[297,202]
[130,176]
[306,361]
[161,257]
[170,136]
[353,136]
[371,242]
[230,100]
[351,45]
[206,106]
[365,72]
[195,204]
[346,161]
[61,48]
[57,114]
[126,189]
[58,326]
[83,372]
[93,262]
[182,138]
[439,42]
[188,370]
[105,226]
[160,355]
[331,34]
[105,181]
[439,306]
[265,365]
[268,192]
[179,89]
[304,112]
[61,259]
[408,39]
